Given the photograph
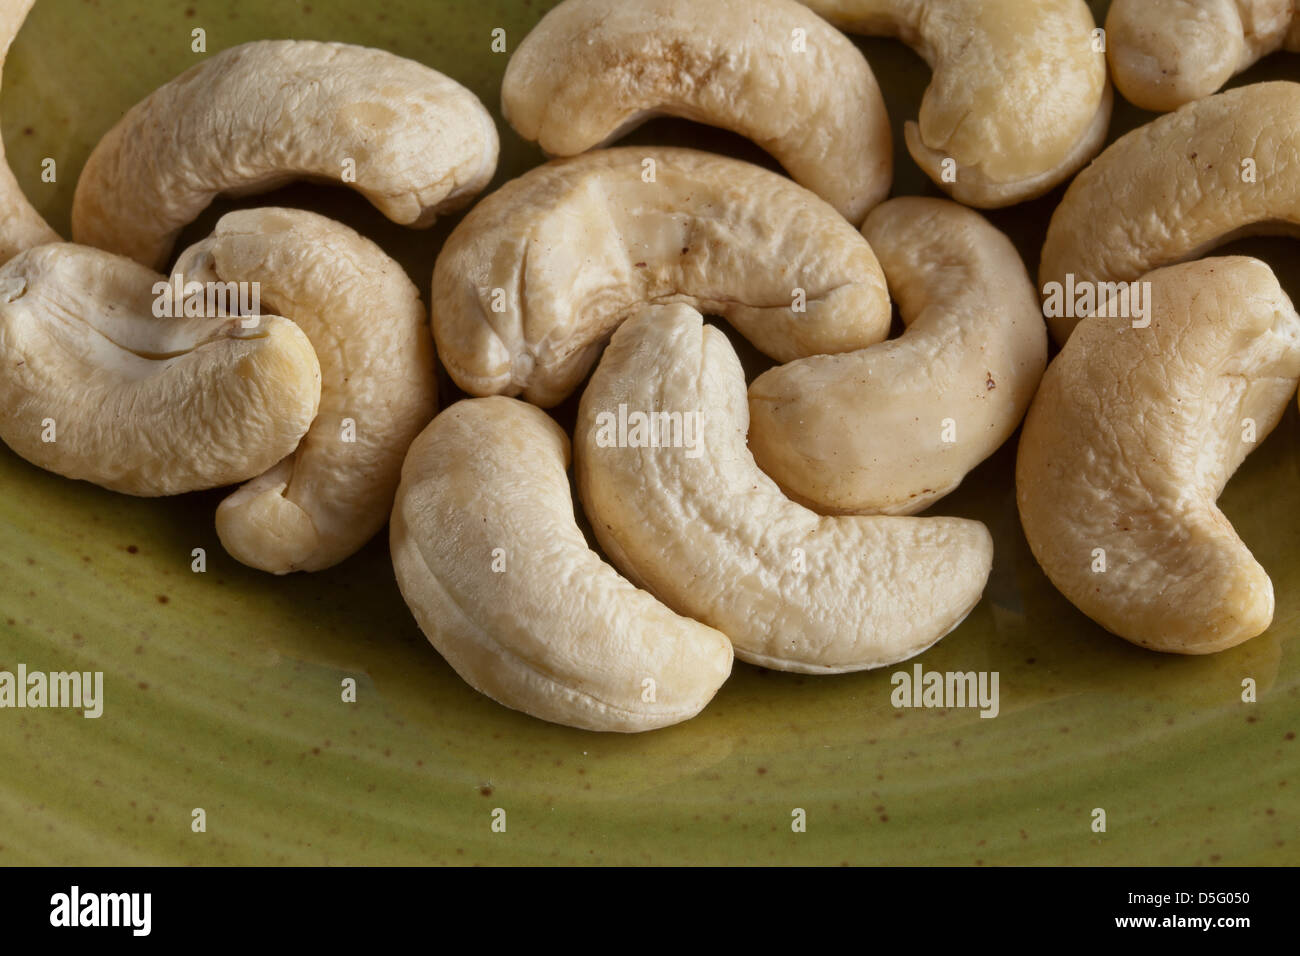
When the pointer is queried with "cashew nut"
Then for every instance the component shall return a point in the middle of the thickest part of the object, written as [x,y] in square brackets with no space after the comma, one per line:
[1130,440]
[1019,99]
[259,115]
[1216,169]
[1164,53]
[534,279]
[679,505]
[501,580]
[771,70]
[370,331]
[894,427]
[21,226]
[93,386]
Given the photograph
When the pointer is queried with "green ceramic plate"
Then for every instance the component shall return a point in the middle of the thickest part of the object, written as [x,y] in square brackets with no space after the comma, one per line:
[223,688]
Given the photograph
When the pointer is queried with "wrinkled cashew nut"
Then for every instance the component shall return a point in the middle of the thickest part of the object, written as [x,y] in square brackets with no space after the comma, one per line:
[262,114]
[1164,53]
[1216,169]
[774,72]
[1130,441]
[370,332]
[892,428]
[94,387]
[1019,99]
[21,226]
[534,279]
[680,506]
[501,580]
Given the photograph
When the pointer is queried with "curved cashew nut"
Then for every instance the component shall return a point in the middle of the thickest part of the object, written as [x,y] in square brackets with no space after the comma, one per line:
[1221,167]
[679,505]
[1132,437]
[534,279]
[21,226]
[93,386]
[500,579]
[1019,99]
[370,331]
[894,427]
[259,115]
[772,71]
[1164,53]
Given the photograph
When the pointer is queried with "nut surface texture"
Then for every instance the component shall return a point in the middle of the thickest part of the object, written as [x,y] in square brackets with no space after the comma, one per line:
[501,580]
[1216,169]
[771,70]
[370,332]
[1019,98]
[892,428]
[94,386]
[21,226]
[1164,53]
[259,115]
[1131,439]
[690,517]
[533,280]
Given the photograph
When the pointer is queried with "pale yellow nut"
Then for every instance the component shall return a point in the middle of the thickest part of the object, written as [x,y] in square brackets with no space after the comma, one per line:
[1019,99]
[770,70]
[370,331]
[892,428]
[94,386]
[1130,441]
[256,116]
[21,226]
[680,506]
[501,580]
[533,280]
[1216,169]
[1164,53]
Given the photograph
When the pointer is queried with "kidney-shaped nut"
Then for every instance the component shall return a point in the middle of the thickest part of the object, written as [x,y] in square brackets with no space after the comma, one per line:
[534,279]
[94,386]
[501,580]
[21,226]
[891,428]
[771,70]
[679,505]
[254,117]
[1221,167]
[1019,99]
[370,331]
[1164,53]
[1132,437]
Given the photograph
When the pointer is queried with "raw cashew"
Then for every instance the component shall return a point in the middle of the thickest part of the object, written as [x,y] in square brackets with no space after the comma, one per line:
[259,115]
[679,505]
[1164,53]
[1132,437]
[1221,167]
[534,279]
[93,386]
[592,70]
[21,226]
[370,332]
[1019,99]
[894,427]
[501,581]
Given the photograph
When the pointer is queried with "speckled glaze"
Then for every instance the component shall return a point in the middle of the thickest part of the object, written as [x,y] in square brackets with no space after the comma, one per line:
[223,688]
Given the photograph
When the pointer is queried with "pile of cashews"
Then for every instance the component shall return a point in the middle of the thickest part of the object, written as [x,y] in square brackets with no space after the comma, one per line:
[776,521]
